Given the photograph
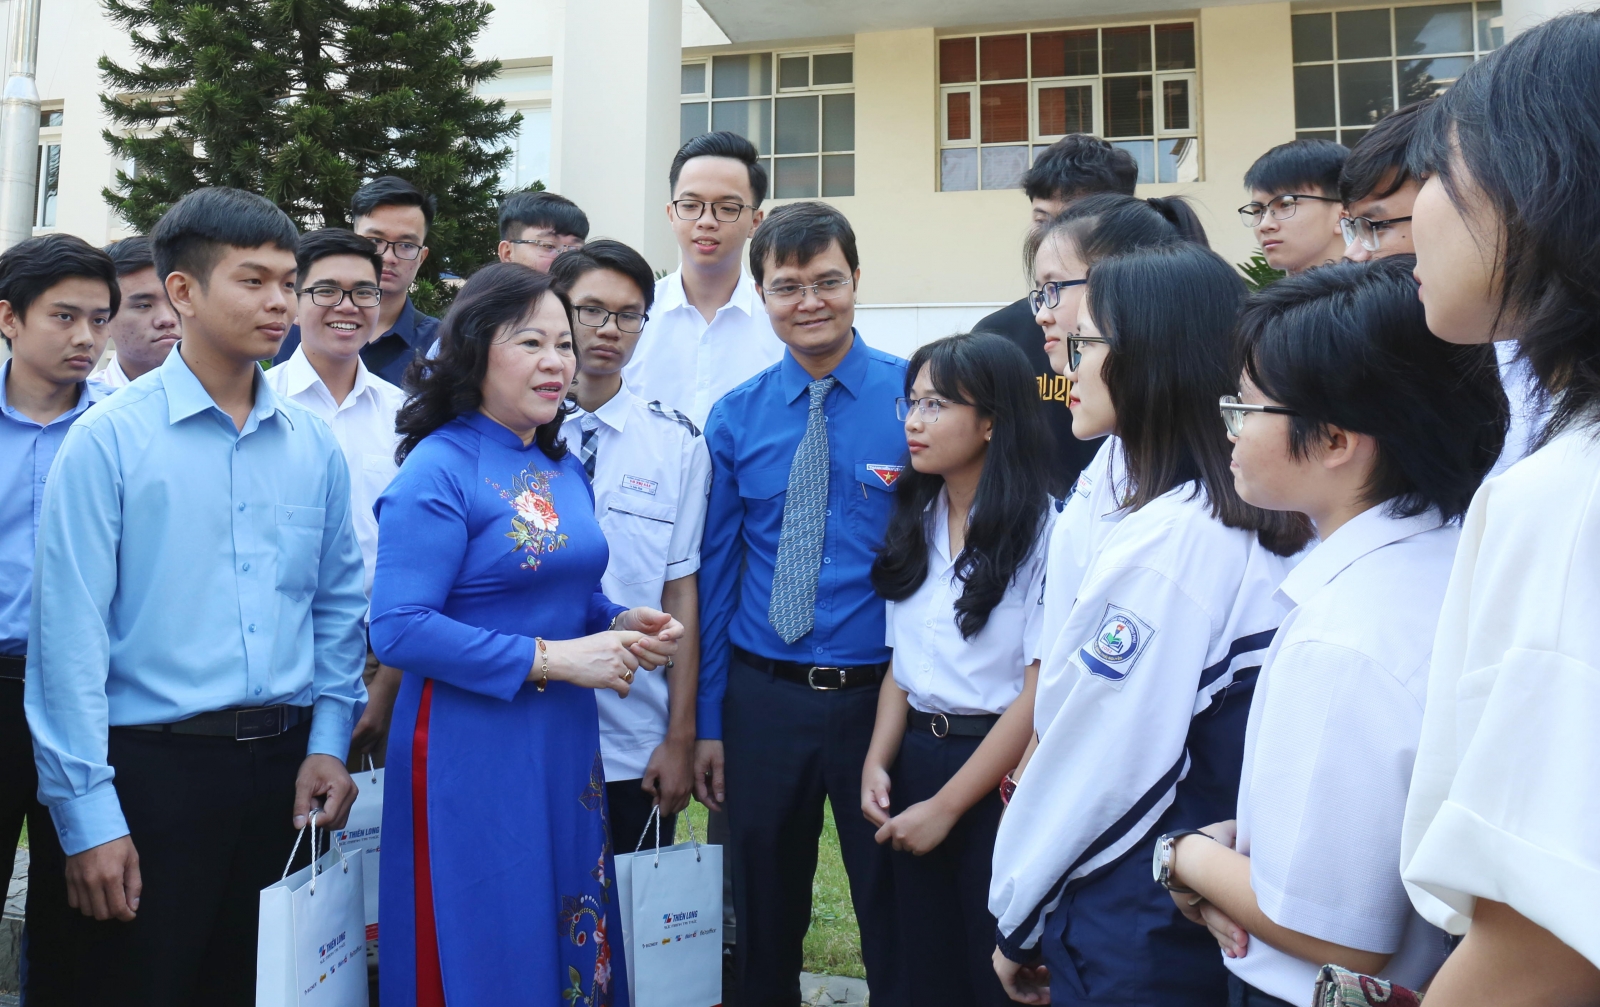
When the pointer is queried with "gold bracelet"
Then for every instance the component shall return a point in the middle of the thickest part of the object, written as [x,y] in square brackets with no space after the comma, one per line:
[544,657]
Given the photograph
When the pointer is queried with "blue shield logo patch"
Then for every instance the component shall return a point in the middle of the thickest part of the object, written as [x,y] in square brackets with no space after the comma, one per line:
[1116,645]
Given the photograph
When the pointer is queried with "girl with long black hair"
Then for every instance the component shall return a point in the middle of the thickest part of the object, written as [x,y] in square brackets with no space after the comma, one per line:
[1141,702]
[962,568]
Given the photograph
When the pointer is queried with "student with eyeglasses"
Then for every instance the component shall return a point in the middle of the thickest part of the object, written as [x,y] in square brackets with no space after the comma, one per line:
[339,299]
[537,227]
[805,459]
[708,332]
[650,473]
[396,216]
[962,567]
[1499,838]
[1141,702]
[1294,206]
[1351,412]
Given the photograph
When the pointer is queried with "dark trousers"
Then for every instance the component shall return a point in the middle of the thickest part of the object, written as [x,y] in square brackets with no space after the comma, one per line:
[790,748]
[48,925]
[210,818]
[627,814]
[946,933]
[1242,994]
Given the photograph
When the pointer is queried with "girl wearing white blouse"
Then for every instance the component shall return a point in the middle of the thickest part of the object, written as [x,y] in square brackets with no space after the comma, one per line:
[1352,413]
[1502,831]
[963,569]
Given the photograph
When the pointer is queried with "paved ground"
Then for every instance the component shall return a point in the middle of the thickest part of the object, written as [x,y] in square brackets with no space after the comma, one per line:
[826,991]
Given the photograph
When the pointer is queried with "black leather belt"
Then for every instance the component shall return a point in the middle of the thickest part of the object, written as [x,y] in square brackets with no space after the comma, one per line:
[13,666]
[823,678]
[251,724]
[944,725]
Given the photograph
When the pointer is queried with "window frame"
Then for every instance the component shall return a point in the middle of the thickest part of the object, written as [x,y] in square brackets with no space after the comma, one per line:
[49,136]
[529,99]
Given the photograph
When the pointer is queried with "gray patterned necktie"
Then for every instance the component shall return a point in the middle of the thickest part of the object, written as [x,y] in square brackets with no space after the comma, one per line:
[794,575]
[587,449]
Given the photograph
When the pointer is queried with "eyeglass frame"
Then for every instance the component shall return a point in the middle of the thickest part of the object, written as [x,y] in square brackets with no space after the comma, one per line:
[644,316]
[1347,229]
[799,292]
[904,406]
[559,249]
[713,203]
[1075,349]
[1246,214]
[344,292]
[382,246]
[1049,295]
[1233,412]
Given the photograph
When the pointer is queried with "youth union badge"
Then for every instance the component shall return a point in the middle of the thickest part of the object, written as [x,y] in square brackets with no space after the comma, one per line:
[1116,645]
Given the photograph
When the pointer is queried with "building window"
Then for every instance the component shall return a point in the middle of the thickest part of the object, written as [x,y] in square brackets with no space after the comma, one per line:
[1004,98]
[525,90]
[1353,67]
[797,108]
[47,173]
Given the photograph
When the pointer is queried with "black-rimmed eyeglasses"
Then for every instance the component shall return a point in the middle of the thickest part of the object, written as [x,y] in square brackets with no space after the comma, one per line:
[1075,345]
[1049,295]
[596,317]
[725,210]
[1234,412]
[330,296]
[402,249]
[548,247]
[1366,230]
[1280,207]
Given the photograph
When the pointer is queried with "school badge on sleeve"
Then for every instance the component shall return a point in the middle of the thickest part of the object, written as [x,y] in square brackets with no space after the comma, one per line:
[1117,645]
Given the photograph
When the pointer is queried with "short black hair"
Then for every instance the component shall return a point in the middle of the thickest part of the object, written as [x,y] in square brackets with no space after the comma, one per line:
[391,190]
[192,235]
[330,241]
[1298,164]
[1378,160]
[1079,165]
[1109,223]
[721,143]
[29,268]
[799,232]
[1347,345]
[131,255]
[605,253]
[542,209]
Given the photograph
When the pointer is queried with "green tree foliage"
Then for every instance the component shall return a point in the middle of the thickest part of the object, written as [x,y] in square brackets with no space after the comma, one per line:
[1257,274]
[303,101]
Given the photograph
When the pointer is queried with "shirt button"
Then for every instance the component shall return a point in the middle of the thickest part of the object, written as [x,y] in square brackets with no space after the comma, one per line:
[241,508]
[252,627]
[246,568]
[258,690]
[827,559]
[828,513]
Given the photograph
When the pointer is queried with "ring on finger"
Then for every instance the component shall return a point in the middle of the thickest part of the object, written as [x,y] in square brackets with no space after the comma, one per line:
[627,676]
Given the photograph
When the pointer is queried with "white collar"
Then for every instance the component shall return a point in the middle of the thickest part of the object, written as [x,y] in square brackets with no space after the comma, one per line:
[614,413]
[1365,533]
[744,296]
[300,376]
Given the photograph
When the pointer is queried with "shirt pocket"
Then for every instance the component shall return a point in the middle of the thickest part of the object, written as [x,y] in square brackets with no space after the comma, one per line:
[299,548]
[638,533]
[872,495]
[764,484]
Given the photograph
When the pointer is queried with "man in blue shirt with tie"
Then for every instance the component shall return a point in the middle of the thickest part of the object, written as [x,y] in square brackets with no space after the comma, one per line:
[57,297]
[804,459]
[195,641]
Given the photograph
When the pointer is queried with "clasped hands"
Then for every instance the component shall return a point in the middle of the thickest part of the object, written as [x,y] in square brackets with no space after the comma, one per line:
[1230,936]
[641,638]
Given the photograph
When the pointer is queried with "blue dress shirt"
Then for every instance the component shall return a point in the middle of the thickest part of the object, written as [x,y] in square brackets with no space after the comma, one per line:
[390,354]
[26,451]
[753,433]
[184,566]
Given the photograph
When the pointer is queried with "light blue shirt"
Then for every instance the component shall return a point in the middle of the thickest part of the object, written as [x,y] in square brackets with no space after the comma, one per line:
[26,451]
[186,566]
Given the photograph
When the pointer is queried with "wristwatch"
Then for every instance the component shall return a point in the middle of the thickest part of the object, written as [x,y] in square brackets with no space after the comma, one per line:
[1162,867]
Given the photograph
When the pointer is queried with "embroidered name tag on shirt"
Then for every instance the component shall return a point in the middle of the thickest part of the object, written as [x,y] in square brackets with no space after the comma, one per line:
[1117,645]
[640,485]
[887,474]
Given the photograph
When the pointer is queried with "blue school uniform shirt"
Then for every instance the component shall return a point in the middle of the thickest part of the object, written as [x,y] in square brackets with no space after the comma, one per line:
[753,433]
[27,449]
[184,566]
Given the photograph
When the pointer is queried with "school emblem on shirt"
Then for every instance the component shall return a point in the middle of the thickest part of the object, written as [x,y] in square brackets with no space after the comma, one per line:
[887,474]
[1116,645]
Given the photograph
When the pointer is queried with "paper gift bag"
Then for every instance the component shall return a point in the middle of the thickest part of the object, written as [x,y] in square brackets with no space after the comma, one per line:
[363,831]
[671,903]
[311,948]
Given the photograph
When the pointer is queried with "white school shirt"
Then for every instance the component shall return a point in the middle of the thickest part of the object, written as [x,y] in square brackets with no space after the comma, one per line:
[1328,751]
[1529,408]
[113,376]
[1172,606]
[1505,802]
[651,476]
[940,671]
[363,424]
[1091,512]
[687,363]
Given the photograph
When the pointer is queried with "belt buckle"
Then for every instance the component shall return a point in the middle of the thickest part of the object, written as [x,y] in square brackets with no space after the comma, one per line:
[938,719]
[258,723]
[811,679]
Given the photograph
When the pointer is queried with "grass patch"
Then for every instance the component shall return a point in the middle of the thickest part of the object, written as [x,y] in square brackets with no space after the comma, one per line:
[833,944]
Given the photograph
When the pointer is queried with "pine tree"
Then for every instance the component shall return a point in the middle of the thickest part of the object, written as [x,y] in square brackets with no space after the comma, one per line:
[303,101]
